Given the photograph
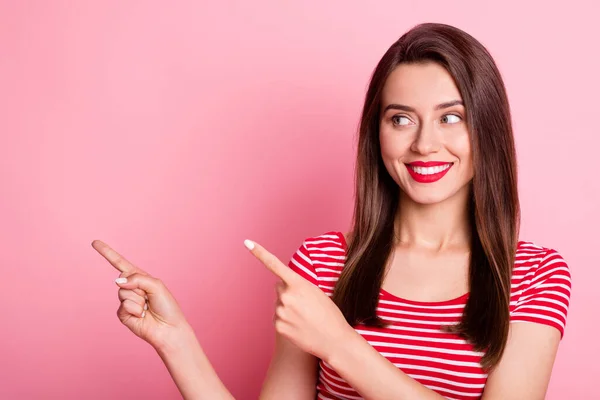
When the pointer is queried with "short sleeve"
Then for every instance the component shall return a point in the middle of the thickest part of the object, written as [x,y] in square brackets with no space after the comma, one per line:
[546,297]
[301,263]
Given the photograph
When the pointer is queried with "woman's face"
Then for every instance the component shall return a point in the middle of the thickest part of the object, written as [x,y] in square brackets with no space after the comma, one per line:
[423,133]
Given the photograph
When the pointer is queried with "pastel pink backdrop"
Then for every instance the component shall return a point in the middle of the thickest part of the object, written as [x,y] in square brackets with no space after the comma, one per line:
[175,130]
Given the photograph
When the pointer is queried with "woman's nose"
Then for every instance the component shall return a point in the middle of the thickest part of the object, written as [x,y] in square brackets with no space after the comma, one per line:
[428,139]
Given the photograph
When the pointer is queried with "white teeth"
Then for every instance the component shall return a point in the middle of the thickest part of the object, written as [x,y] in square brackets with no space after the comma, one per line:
[430,170]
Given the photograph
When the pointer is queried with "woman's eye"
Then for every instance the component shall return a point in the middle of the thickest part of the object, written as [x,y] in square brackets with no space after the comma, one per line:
[451,119]
[400,120]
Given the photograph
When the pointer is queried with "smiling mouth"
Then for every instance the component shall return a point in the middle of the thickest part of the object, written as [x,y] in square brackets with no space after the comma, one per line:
[429,170]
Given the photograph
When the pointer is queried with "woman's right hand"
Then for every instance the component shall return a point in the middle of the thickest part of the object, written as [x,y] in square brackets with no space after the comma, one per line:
[147,307]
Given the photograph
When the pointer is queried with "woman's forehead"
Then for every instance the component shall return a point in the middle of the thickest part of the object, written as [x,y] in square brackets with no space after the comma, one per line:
[419,85]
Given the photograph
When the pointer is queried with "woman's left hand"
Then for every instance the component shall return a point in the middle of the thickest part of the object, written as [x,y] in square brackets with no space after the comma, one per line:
[304,314]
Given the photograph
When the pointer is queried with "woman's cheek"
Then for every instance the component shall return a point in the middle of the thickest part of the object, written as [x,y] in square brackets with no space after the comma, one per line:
[460,146]
[392,145]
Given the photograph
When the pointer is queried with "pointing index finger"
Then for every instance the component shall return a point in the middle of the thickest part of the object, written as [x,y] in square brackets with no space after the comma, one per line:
[114,258]
[272,263]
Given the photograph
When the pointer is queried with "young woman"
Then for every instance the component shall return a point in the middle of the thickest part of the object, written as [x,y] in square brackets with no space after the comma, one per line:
[421,300]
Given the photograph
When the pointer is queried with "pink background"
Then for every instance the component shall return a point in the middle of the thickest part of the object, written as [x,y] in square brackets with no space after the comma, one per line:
[175,130]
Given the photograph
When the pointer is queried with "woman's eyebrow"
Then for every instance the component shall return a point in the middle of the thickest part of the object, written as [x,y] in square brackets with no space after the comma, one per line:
[441,106]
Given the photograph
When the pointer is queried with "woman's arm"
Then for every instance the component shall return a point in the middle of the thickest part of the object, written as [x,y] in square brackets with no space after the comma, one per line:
[523,372]
[526,365]
[292,373]
[538,322]
[190,368]
[371,374]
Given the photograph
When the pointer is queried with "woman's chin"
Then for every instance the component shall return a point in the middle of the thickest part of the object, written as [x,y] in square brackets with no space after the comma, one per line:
[428,197]
[428,200]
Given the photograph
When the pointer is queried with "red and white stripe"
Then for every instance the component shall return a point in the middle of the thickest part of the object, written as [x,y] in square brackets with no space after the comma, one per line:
[414,342]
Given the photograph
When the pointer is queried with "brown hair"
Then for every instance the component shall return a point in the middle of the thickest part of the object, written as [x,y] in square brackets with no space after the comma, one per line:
[494,203]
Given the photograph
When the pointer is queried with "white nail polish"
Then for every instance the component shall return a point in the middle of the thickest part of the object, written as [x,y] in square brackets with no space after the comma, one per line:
[121,280]
[143,314]
[249,244]
[145,306]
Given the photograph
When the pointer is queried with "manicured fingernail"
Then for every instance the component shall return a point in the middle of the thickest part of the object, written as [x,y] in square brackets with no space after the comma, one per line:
[143,314]
[146,297]
[121,280]
[249,244]
[145,306]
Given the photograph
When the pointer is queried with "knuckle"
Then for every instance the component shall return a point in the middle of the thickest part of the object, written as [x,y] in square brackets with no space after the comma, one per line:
[284,298]
[289,299]
[131,306]
[280,312]
[279,326]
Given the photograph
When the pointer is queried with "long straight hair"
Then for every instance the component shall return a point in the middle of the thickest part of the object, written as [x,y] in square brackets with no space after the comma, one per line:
[494,211]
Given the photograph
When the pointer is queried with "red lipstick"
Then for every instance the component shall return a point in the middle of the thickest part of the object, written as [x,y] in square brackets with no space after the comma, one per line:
[428,163]
[424,173]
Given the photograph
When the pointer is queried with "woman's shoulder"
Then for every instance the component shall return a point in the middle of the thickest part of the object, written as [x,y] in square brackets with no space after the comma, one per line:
[526,246]
[532,253]
[538,268]
[532,259]
[320,259]
[326,242]
[541,286]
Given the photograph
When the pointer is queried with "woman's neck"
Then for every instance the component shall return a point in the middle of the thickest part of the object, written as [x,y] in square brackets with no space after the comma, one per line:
[436,227]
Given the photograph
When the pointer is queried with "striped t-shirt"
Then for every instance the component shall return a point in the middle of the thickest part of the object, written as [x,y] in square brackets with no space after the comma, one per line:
[443,362]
